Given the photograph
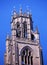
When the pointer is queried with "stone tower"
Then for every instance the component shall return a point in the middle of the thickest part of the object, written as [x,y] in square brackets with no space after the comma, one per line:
[23,46]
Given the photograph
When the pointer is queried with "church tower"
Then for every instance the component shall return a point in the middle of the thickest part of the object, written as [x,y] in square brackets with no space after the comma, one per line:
[23,45]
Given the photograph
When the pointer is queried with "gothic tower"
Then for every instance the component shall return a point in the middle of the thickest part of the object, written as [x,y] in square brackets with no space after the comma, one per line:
[23,46]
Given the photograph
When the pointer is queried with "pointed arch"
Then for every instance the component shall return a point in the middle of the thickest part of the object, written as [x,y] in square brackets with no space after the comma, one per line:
[26,47]
[26,56]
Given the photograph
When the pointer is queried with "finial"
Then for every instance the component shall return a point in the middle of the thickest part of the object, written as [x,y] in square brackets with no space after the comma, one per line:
[11,16]
[20,10]
[28,10]
[14,11]
[14,8]
[7,38]
[36,29]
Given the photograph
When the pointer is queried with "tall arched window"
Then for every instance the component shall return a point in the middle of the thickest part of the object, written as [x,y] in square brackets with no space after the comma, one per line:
[26,57]
[18,32]
[18,24]
[32,37]
[25,29]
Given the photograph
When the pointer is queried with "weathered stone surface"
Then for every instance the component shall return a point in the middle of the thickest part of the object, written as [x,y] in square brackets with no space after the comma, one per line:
[23,48]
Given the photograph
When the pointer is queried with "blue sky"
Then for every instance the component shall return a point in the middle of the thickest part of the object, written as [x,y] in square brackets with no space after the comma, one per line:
[39,15]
